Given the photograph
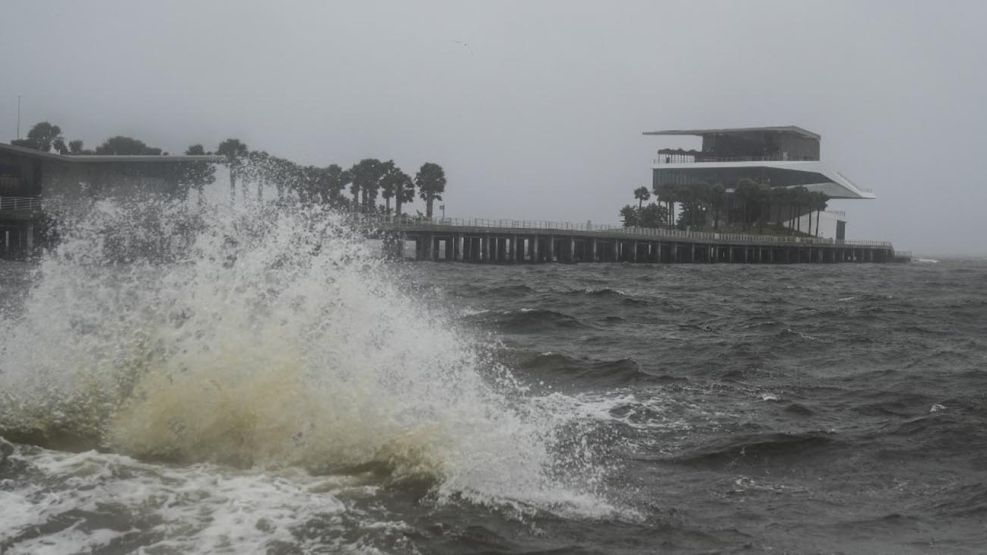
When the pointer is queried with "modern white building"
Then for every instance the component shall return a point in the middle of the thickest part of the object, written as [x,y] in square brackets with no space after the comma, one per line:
[777,156]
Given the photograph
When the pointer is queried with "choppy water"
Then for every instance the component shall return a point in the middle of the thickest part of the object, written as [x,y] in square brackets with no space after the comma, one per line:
[266,384]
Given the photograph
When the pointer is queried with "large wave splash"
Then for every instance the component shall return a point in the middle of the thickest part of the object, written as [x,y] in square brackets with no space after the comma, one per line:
[265,336]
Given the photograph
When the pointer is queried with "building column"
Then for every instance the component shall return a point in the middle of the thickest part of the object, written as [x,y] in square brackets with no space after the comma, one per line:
[399,246]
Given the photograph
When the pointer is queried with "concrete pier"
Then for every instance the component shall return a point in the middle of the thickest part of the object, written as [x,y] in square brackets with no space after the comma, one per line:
[517,242]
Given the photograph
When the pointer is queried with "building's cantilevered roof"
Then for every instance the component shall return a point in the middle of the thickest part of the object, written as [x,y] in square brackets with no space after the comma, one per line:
[93,158]
[737,131]
[814,175]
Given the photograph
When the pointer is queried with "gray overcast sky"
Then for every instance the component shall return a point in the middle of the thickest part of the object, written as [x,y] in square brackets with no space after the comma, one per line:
[539,114]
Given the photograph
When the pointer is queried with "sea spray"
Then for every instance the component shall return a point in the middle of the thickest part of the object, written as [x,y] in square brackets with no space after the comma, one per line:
[269,336]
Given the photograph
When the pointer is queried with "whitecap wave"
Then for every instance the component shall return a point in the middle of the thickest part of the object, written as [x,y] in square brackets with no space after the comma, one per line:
[271,337]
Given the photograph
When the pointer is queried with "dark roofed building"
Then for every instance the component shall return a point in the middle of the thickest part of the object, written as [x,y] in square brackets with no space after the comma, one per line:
[31,179]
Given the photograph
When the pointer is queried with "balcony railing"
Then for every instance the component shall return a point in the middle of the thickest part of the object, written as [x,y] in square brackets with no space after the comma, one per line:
[664,159]
[20,203]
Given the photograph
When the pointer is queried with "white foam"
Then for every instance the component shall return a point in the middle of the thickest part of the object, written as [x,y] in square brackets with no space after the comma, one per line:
[198,508]
[270,338]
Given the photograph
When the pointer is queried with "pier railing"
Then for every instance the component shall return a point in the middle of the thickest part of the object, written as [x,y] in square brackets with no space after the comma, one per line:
[409,223]
[20,203]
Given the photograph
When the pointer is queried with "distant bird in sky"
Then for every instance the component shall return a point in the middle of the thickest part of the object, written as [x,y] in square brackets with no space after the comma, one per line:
[464,44]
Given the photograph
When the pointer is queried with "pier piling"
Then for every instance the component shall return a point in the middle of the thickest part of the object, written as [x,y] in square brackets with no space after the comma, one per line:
[513,242]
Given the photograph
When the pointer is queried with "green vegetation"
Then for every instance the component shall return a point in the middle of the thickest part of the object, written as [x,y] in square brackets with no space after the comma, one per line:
[125,146]
[651,215]
[431,182]
[44,136]
[367,179]
[752,207]
[200,174]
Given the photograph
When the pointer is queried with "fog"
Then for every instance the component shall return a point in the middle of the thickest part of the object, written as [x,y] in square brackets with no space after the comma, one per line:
[534,109]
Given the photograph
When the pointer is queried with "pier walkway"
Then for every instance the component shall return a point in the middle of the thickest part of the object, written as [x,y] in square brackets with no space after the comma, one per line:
[518,241]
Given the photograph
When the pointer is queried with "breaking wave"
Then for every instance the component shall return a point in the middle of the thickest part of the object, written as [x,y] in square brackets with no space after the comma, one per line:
[266,337]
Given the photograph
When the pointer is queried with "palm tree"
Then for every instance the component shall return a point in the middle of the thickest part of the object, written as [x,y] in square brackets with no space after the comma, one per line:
[659,192]
[256,168]
[310,184]
[776,199]
[345,178]
[367,174]
[801,197]
[746,193]
[388,183]
[235,151]
[431,182]
[629,216]
[642,195]
[397,185]
[820,202]
[331,184]
[197,174]
[694,200]
[404,192]
[762,196]
[652,215]
[790,197]
[669,193]
[717,198]
[354,173]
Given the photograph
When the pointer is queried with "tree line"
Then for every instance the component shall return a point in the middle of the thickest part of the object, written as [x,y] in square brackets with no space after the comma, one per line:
[367,180]
[753,204]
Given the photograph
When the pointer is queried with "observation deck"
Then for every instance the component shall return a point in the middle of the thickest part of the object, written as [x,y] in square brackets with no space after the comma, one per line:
[777,156]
